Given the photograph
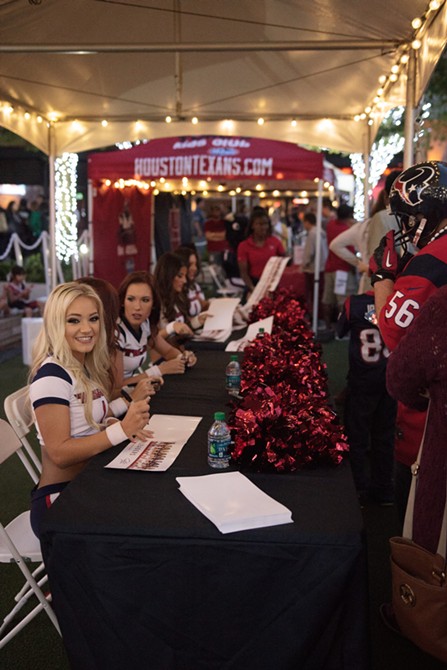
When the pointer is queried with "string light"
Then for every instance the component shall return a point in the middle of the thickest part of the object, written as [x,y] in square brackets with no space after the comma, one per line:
[65,206]
[380,156]
[125,183]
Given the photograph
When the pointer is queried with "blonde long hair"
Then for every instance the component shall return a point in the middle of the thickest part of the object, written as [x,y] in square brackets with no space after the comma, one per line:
[51,341]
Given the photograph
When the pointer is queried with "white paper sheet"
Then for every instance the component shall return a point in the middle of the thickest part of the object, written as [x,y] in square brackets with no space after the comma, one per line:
[232,502]
[218,326]
[341,281]
[171,433]
[252,332]
[221,313]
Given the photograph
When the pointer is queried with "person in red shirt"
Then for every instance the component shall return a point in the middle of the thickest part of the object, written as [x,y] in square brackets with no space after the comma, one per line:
[260,245]
[216,235]
[402,285]
[418,199]
[337,269]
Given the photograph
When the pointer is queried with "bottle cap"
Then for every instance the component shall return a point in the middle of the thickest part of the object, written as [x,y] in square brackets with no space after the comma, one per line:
[234,357]
[219,416]
[261,331]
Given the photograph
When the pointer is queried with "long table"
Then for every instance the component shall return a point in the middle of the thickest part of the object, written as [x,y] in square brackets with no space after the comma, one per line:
[141,579]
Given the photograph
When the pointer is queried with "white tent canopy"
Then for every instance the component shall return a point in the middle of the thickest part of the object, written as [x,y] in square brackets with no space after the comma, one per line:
[309,69]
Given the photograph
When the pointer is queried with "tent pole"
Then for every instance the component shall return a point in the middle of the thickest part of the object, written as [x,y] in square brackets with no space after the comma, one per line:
[91,265]
[317,258]
[201,47]
[152,256]
[409,111]
[366,162]
[52,204]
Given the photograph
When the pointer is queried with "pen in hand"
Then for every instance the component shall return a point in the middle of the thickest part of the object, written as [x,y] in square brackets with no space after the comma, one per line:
[126,395]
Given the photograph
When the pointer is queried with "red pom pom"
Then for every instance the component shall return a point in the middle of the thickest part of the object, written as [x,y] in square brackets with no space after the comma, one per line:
[283,422]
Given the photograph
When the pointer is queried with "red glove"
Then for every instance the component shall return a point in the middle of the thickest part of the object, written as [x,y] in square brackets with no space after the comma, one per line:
[384,263]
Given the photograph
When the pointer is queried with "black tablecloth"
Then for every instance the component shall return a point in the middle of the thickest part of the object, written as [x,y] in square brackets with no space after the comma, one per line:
[141,579]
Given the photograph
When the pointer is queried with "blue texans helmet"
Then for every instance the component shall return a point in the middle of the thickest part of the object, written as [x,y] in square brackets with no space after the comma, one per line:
[418,200]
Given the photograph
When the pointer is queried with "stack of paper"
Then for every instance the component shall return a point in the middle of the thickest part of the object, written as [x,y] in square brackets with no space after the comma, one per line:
[232,502]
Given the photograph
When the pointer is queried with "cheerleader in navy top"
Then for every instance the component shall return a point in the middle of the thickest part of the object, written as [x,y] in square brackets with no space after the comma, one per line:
[70,384]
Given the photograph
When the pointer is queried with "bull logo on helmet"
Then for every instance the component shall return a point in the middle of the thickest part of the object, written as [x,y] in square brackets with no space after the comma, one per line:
[410,185]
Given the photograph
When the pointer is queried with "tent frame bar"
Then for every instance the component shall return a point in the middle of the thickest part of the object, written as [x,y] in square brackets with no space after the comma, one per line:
[168,47]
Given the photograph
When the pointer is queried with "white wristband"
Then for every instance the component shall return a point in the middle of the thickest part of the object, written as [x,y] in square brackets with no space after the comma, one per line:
[170,328]
[115,433]
[118,406]
[153,371]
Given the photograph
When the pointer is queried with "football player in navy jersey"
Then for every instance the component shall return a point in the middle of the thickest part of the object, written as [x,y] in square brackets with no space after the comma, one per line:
[418,199]
[370,412]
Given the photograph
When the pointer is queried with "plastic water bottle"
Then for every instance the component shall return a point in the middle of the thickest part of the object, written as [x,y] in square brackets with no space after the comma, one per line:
[261,332]
[219,440]
[233,375]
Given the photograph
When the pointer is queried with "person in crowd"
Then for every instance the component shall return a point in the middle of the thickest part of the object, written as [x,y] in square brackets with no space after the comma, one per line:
[236,225]
[364,236]
[309,259]
[12,216]
[340,279]
[328,212]
[197,302]
[24,231]
[4,232]
[35,220]
[417,376]
[216,235]
[198,219]
[170,279]
[279,227]
[69,391]
[294,217]
[138,334]
[381,219]
[4,307]
[19,292]
[418,199]
[260,245]
[370,412]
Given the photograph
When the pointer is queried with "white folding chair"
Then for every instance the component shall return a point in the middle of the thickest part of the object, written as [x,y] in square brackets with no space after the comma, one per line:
[226,287]
[18,412]
[19,545]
